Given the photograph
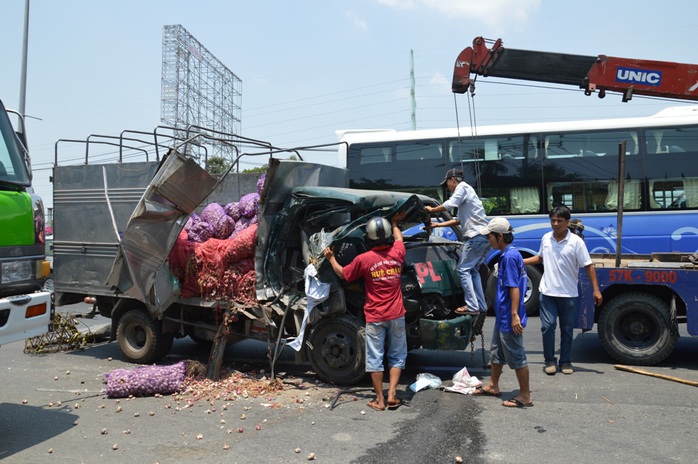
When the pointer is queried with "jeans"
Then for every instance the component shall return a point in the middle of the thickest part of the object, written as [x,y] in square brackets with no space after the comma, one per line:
[552,307]
[473,255]
[376,335]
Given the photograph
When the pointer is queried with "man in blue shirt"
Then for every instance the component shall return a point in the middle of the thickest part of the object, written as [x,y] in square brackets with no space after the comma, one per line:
[510,316]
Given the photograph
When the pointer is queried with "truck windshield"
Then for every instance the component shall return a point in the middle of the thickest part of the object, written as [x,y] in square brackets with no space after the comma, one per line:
[13,170]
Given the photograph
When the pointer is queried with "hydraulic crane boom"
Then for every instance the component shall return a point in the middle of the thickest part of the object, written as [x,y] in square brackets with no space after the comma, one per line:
[591,73]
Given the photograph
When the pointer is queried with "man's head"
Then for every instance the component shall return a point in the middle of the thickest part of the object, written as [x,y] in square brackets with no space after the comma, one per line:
[378,232]
[498,228]
[452,178]
[560,220]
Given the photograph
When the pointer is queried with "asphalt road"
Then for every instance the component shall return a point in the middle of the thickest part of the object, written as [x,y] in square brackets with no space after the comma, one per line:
[52,410]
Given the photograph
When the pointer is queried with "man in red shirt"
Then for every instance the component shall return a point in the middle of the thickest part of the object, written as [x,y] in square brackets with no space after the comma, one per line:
[381,268]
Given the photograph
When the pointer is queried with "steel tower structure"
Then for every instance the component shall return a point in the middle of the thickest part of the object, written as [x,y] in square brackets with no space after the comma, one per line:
[198,90]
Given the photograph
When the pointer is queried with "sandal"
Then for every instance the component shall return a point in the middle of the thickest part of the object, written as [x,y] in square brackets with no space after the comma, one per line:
[374,405]
[464,311]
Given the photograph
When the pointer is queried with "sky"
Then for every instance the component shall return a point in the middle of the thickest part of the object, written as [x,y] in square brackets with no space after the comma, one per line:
[311,67]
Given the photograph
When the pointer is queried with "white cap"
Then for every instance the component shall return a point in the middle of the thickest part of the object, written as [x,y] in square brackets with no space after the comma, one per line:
[498,225]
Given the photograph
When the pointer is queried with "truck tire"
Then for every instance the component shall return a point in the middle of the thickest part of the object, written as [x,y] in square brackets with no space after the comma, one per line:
[636,328]
[140,337]
[338,350]
[531,298]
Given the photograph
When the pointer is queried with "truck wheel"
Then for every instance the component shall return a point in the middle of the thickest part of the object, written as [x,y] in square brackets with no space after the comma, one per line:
[140,337]
[635,328]
[532,297]
[338,353]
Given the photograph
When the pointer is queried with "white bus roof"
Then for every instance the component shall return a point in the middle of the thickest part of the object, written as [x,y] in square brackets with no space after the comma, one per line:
[669,116]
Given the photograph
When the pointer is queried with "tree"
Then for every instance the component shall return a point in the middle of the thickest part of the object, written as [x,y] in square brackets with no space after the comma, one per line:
[217,165]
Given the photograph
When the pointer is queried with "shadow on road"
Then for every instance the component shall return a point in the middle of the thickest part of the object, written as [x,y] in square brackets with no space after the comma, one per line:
[23,426]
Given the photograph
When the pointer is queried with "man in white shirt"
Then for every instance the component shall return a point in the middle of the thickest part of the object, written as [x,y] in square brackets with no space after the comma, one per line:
[472,219]
[562,254]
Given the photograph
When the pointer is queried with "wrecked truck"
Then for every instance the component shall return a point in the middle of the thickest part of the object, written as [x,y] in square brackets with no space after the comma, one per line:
[116,223]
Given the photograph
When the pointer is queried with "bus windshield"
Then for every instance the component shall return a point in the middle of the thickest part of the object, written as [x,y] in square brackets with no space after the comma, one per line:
[523,171]
[13,169]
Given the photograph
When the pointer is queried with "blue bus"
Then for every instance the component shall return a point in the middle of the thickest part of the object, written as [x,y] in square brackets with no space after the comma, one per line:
[522,170]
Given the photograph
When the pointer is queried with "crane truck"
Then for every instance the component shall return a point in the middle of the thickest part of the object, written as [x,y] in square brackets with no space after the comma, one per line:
[645,297]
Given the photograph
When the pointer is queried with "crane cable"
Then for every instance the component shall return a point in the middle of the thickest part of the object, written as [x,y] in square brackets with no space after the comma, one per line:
[473,135]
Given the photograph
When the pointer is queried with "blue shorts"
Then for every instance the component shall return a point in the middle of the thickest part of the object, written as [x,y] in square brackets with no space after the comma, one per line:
[507,348]
[377,334]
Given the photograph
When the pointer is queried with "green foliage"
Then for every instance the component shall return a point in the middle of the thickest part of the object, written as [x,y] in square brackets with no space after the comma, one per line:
[258,170]
[217,165]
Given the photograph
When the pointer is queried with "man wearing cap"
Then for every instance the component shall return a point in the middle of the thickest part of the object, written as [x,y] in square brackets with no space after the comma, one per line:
[472,218]
[510,316]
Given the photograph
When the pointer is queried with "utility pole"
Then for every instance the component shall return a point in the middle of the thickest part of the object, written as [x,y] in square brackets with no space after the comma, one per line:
[23,78]
[412,91]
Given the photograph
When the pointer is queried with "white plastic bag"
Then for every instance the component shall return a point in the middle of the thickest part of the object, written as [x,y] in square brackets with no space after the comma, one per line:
[425,381]
[464,383]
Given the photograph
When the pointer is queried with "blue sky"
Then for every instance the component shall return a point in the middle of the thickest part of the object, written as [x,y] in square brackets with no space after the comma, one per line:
[309,68]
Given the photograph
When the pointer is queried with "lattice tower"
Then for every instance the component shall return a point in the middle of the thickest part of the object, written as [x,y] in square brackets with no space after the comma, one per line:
[197,90]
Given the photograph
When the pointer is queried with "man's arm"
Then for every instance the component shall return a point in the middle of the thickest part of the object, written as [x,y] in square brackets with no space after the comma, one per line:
[515,296]
[533,260]
[591,273]
[449,223]
[435,209]
[397,233]
[336,267]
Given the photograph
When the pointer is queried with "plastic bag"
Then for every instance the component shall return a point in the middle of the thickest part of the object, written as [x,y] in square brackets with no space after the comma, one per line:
[464,383]
[425,381]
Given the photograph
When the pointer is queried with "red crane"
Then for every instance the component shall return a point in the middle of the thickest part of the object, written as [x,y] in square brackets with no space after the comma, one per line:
[592,73]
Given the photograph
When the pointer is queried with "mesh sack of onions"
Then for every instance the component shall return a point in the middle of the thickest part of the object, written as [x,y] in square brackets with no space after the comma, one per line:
[183,265]
[222,224]
[260,183]
[249,204]
[233,210]
[145,381]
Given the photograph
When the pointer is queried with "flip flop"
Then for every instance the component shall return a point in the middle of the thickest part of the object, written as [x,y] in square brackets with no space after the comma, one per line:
[464,311]
[373,405]
[479,391]
[396,403]
[514,403]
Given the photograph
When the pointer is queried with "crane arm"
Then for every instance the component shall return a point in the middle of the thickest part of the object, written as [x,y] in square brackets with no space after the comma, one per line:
[592,73]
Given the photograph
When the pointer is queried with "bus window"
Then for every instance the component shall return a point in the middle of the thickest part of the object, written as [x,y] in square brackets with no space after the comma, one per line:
[590,144]
[372,155]
[667,194]
[582,197]
[631,195]
[418,151]
[678,140]
[465,151]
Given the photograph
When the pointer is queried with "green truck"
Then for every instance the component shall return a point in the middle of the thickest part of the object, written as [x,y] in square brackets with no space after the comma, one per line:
[25,308]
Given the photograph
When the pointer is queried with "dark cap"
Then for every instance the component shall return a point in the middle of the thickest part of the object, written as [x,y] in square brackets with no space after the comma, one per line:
[452,173]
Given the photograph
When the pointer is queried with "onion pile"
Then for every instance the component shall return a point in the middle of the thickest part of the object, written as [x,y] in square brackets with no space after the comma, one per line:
[213,257]
[145,381]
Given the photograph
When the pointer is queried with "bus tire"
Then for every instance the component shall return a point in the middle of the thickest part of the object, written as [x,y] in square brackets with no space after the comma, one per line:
[337,349]
[636,328]
[141,338]
[532,297]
